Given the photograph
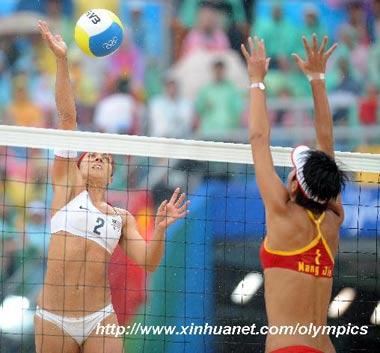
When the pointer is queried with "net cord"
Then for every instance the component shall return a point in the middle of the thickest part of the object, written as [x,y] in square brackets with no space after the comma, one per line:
[17,136]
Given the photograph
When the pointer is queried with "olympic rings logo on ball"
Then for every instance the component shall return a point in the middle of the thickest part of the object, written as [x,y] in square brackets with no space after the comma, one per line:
[111,43]
[99,32]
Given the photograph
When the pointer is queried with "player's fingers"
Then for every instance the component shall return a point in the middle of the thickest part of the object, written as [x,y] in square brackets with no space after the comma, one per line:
[267,64]
[297,59]
[315,43]
[251,45]
[47,30]
[42,28]
[43,34]
[258,47]
[183,214]
[330,51]
[45,26]
[261,46]
[162,206]
[184,207]
[306,46]
[39,25]
[58,37]
[264,47]
[245,52]
[180,200]
[323,45]
[51,38]
[174,196]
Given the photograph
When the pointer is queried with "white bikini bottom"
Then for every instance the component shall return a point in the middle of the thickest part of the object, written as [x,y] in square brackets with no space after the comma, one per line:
[79,328]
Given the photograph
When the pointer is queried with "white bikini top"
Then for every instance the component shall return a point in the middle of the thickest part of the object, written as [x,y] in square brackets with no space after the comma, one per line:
[81,218]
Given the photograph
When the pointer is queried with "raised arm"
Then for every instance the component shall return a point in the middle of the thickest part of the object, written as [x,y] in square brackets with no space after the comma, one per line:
[314,68]
[272,190]
[65,176]
[64,95]
[149,254]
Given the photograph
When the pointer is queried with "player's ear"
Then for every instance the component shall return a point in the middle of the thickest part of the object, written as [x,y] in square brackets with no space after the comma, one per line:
[294,185]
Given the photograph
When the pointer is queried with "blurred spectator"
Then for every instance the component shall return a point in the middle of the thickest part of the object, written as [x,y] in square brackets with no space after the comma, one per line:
[11,241]
[369,107]
[219,104]
[374,64]
[207,34]
[357,20]
[284,116]
[26,176]
[170,115]
[286,78]
[117,112]
[5,85]
[347,81]
[137,23]
[353,50]
[42,94]
[61,22]
[39,58]
[344,92]
[128,61]
[22,111]
[10,51]
[312,24]
[350,51]
[37,232]
[234,22]
[279,34]
[376,19]
[86,92]
[82,6]
[42,6]
[189,10]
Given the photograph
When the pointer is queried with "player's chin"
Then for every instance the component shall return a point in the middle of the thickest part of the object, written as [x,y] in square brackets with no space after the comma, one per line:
[100,176]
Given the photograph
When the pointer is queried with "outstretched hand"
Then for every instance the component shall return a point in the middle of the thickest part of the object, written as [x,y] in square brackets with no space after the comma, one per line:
[257,61]
[55,42]
[169,212]
[316,57]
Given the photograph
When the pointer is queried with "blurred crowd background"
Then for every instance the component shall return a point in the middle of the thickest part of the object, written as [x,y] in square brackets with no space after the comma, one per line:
[179,73]
[180,66]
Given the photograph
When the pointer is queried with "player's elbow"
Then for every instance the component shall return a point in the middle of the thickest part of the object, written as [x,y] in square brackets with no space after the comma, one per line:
[258,137]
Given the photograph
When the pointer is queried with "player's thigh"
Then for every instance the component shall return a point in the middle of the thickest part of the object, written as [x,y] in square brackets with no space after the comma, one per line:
[50,338]
[102,343]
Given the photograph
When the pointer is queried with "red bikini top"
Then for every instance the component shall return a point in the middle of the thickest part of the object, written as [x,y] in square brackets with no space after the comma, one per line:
[314,259]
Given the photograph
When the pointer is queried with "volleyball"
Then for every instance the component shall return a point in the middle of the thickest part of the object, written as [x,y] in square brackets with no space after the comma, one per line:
[99,32]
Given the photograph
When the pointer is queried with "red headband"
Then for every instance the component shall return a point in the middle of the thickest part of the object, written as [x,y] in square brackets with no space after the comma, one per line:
[84,153]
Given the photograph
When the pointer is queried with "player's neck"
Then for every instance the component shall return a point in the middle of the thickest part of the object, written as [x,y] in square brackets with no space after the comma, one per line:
[96,192]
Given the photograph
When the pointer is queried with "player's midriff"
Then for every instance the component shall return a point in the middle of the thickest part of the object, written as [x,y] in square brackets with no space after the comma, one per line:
[293,298]
[76,280]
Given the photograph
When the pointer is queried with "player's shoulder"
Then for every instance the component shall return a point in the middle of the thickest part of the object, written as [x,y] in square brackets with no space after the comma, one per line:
[124,213]
[336,212]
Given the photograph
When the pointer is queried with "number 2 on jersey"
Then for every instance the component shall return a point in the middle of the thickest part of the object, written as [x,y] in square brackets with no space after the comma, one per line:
[99,224]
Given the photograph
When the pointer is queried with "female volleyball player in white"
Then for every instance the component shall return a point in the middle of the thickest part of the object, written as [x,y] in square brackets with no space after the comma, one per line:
[85,231]
[302,219]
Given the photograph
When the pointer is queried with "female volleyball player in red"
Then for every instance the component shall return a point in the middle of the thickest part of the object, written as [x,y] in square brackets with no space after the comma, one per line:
[75,297]
[302,219]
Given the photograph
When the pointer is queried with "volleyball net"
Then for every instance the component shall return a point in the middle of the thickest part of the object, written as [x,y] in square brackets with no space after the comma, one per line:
[210,272]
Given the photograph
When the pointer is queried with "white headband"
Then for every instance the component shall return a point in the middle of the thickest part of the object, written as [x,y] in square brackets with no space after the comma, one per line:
[299,158]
